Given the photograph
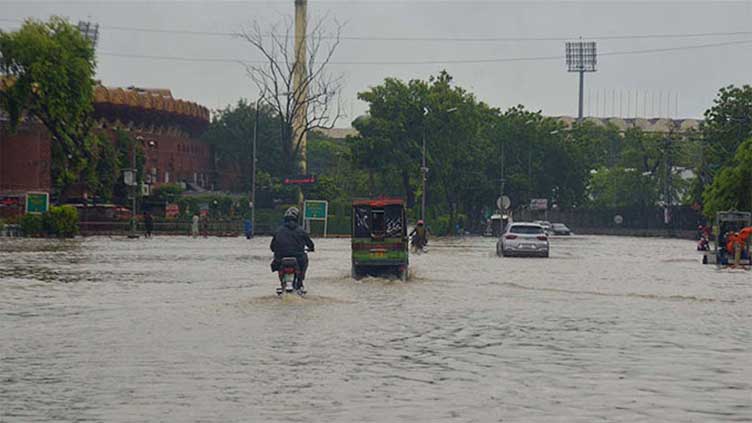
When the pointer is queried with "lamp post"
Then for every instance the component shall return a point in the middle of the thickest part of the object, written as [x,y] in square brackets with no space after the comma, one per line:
[253,175]
[134,184]
[423,170]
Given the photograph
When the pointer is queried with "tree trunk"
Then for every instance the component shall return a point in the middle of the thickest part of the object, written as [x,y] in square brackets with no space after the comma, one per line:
[370,183]
[409,193]
[452,217]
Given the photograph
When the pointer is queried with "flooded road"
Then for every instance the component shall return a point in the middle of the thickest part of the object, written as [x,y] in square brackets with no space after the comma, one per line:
[175,329]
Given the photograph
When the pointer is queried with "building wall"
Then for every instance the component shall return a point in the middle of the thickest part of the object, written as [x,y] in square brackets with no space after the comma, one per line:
[173,156]
[24,159]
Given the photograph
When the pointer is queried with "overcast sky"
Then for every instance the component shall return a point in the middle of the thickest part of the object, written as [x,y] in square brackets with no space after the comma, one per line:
[656,78]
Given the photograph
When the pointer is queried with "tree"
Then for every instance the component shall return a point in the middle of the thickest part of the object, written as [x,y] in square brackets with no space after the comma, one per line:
[231,135]
[732,187]
[124,150]
[619,187]
[727,124]
[49,75]
[313,98]
[391,134]
[466,140]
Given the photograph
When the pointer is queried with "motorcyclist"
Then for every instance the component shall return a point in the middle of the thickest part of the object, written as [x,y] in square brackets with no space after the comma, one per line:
[419,235]
[291,240]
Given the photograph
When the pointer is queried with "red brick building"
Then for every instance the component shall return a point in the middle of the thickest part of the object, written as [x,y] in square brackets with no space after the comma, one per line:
[168,128]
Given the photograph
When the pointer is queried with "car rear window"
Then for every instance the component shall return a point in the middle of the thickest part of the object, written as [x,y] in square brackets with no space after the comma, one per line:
[526,229]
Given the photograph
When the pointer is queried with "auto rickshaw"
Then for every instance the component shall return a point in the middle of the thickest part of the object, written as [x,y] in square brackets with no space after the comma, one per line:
[729,227]
[379,238]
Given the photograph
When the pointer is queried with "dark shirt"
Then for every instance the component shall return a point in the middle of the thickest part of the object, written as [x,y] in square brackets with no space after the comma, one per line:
[420,231]
[290,240]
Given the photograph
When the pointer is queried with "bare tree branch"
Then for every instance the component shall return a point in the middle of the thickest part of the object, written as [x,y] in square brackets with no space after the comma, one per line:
[316,98]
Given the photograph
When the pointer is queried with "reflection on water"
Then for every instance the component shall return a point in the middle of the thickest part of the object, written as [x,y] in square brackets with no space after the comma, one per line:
[178,329]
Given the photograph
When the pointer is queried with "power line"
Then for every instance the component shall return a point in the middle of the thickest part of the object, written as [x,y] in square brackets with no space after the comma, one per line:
[436,62]
[436,39]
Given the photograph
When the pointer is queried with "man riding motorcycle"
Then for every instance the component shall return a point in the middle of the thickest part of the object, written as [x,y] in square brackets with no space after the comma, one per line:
[419,235]
[291,240]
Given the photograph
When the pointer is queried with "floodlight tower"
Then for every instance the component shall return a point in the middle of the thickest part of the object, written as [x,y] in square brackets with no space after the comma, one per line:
[90,31]
[581,57]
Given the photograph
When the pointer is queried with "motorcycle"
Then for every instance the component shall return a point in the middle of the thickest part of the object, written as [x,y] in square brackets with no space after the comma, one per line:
[289,277]
[418,245]
[703,244]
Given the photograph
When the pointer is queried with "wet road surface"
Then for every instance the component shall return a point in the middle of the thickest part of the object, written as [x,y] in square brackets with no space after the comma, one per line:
[175,329]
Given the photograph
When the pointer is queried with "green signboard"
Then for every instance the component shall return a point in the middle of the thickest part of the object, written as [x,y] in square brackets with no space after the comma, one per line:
[315,210]
[37,202]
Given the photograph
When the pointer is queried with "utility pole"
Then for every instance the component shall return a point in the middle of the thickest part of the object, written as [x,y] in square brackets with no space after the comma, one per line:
[300,91]
[253,175]
[300,70]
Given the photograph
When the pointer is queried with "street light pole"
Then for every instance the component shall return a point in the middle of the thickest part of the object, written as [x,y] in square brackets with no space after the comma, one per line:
[501,143]
[423,171]
[133,187]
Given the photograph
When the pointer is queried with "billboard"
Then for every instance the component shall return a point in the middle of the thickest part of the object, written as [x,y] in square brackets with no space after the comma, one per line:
[539,204]
[300,180]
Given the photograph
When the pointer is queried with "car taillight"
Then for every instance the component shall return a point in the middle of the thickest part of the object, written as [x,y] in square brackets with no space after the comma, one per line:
[543,238]
[511,237]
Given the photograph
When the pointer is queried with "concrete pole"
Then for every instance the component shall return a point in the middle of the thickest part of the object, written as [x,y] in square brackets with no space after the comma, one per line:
[301,70]
[253,176]
[582,87]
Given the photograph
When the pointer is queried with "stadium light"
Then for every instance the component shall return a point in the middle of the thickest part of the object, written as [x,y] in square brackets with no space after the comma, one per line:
[90,31]
[581,57]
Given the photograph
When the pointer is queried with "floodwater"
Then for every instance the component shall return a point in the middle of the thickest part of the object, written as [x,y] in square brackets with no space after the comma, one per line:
[175,329]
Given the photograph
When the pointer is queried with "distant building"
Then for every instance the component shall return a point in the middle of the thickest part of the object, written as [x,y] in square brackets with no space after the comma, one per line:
[169,129]
[647,125]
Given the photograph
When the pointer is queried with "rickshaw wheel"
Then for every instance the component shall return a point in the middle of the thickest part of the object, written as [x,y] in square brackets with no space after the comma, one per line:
[355,273]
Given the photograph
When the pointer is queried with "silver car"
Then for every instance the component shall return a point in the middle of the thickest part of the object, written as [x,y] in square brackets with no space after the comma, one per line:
[523,239]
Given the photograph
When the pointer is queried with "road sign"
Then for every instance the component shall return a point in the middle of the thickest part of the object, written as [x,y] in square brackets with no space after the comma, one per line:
[37,202]
[316,210]
[503,202]
[300,180]
[539,204]
[618,219]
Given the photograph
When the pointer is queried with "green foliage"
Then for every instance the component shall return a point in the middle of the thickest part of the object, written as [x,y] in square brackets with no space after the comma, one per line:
[618,187]
[732,187]
[32,224]
[50,70]
[124,149]
[231,135]
[102,172]
[465,142]
[61,222]
[728,123]
[167,193]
